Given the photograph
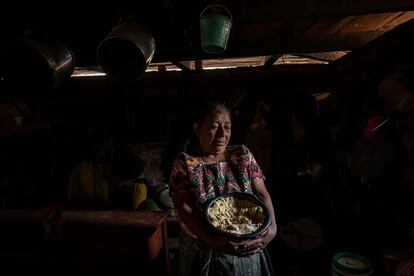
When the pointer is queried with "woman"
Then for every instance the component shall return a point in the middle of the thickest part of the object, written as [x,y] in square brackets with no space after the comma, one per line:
[213,168]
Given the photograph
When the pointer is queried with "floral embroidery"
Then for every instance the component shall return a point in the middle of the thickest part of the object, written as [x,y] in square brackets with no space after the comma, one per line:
[208,181]
[191,162]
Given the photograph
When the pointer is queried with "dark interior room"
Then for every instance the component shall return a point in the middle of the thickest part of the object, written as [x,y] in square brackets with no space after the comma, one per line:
[97,106]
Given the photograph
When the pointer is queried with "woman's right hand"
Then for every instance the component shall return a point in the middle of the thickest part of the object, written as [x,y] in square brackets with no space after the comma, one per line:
[224,245]
[227,246]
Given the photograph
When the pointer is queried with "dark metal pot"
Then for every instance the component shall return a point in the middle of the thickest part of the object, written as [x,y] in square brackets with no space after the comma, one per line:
[36,59]
[126,51]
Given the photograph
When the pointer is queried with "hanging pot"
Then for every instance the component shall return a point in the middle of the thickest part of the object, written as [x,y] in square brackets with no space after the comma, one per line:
[36,59]
[126,51]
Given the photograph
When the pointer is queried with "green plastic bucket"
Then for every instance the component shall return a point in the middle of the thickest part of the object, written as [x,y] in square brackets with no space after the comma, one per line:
[215,27]
[350,264]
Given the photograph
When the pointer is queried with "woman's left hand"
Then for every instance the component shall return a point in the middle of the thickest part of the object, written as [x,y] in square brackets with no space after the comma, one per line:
[260,242]
[255,245]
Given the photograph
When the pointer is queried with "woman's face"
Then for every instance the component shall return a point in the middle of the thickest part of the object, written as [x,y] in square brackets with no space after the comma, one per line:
[214,134]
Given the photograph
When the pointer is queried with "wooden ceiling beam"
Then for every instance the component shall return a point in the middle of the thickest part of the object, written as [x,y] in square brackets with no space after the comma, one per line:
[270,60]
[311,44]
[324,56]
[377,59]
[181,65]
[152,84]
[263,10]
[280,45]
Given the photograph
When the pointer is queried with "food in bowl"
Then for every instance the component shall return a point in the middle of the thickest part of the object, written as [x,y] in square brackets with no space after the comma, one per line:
[236,215]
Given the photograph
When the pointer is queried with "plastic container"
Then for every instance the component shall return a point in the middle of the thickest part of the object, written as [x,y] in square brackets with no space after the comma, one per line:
[140,194]
[350,264]
[215,27]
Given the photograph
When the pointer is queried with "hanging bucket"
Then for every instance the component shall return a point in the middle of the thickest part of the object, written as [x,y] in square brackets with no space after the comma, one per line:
[126,51]
[350,264]
[215,27]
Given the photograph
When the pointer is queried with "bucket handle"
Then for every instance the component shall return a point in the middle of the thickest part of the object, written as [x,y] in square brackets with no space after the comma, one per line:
[217,5]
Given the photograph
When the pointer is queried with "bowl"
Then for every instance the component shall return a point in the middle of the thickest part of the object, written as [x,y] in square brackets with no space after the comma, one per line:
[237,216]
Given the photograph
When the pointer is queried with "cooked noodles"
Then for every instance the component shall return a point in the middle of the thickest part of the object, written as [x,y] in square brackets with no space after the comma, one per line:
[237,216]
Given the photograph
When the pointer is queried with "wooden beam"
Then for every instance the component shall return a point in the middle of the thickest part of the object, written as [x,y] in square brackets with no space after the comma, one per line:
[264,10]
[376,59]
[270,11]
[181,66]
[324,56]
[154,83]
[199,65]
[270,60]
[281,45]
[309,44]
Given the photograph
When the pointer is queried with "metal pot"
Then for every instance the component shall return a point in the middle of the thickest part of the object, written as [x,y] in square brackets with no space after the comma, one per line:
[126,51]
[36,59]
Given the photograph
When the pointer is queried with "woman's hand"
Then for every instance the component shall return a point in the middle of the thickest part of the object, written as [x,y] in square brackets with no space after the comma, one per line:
[255,245]
[191,217]
[227,246]
[242,248]
[263,240]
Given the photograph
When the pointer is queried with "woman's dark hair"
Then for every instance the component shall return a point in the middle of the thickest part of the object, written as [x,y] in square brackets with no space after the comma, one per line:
[209,109]
[183,138]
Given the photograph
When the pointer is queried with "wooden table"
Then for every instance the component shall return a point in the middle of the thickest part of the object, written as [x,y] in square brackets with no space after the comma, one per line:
[132,239]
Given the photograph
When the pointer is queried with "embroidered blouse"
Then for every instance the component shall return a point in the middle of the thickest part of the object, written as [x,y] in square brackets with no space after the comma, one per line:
[207,181]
